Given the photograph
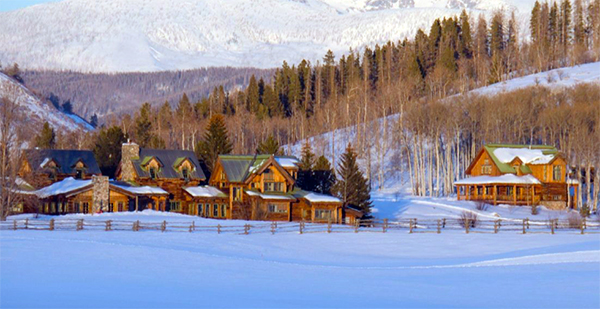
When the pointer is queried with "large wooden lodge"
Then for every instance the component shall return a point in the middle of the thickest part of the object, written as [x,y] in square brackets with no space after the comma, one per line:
[250,187]
[519,175]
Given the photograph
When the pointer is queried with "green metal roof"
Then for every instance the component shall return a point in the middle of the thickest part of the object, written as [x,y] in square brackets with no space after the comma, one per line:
[506,167]
[239,167]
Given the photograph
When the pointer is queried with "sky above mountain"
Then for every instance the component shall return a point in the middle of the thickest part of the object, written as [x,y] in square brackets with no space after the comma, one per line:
[11,5]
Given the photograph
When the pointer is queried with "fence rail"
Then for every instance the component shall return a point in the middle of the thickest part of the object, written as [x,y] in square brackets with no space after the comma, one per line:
[436,226]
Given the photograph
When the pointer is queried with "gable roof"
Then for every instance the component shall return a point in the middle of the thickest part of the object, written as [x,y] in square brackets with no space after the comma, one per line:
[65,160]
[505,155]
[238,168]
[169,160]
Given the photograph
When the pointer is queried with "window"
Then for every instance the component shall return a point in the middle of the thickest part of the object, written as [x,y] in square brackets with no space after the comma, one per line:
[322,214]
[152,173]
[557,197]
[488,190]
[273,186]
[223,176]
[509,190]
[215,210]
[486,168]
[86,207]
[111,207]
[237,194]
[200,211]
[207,210]
[556,173]
[268,175]
[185,173]
[223,210]
[120,206]
[76,207]
[78,174]
[545,174]
[175,206]
[277,208]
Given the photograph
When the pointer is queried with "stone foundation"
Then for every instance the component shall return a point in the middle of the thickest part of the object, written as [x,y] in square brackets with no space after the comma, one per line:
[554,205]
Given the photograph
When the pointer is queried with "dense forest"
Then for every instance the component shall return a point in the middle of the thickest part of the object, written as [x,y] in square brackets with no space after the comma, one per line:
[424,82]
[108,94]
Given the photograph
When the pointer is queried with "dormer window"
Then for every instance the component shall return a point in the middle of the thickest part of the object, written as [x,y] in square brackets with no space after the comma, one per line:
[152,172]
[78,174]
[185,173]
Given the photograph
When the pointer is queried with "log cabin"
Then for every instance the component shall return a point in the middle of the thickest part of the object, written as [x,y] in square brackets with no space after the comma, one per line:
[262,187]
[170,170]
[519,175]
[43,167]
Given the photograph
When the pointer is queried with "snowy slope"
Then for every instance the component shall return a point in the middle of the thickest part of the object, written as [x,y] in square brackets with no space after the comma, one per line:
[36,111]
[152,35]
[151,269]
[333,144]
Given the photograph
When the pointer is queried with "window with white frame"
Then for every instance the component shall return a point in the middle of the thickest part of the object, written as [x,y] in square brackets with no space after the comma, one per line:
[277,208]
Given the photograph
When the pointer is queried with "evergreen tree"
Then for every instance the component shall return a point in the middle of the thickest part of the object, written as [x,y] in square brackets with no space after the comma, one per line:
[465,39]
[67,107]
[268,146]
[305,177]
[252,96]
[107,149]
[323,175]
[94,120]
[143,126]
[47,138]
[215,142]
[352,187]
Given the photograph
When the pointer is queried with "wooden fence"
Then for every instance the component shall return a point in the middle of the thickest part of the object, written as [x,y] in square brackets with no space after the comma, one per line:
[436,226]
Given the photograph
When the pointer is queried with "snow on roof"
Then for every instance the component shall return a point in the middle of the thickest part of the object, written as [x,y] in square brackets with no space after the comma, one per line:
[287,162]
[139,190]
[318,197]
[269,196]
[528,156]
[205,191]
[67,185]
[504,179]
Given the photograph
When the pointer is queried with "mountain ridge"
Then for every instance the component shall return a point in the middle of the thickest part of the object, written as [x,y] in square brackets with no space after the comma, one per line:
[147,36]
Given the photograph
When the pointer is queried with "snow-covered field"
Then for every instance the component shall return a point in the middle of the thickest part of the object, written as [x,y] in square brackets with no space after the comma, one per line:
[178,269]
[154,35]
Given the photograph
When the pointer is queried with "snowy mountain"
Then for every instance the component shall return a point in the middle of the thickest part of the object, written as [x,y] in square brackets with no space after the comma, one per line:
[37,111]
[155,35]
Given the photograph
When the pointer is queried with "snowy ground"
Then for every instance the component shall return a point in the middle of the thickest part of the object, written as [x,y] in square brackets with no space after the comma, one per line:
[396,269]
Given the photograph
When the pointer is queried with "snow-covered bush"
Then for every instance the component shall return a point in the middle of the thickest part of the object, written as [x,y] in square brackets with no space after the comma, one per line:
[574,220]
[481,205]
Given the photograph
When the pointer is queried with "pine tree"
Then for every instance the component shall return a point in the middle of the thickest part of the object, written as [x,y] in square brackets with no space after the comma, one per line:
[269,146]
[352,187]
[305,177]
[143,126]
[47,138]
[323,175]
[215,142]
[252,96]
[107,149]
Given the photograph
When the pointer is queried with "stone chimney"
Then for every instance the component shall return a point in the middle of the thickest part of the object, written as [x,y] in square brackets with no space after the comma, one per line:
[100,193]
[129,151]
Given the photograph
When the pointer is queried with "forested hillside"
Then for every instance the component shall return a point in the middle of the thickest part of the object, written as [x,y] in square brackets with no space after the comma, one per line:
[109,94]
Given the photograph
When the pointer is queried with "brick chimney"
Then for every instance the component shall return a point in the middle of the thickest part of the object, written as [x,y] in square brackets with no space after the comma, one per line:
[129,151]
[100,193]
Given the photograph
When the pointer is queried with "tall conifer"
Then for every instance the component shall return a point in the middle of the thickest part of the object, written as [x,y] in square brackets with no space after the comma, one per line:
[352,187]
[215,142]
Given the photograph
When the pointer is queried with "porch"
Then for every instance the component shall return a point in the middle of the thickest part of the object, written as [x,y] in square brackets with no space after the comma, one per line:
[511,194]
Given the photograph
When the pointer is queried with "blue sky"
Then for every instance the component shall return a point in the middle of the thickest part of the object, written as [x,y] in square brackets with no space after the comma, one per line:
[9,5]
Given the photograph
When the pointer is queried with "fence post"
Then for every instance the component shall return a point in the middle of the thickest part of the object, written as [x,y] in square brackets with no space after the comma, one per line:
[527,222]
[524,224]
[163,226]
[27,223]
[329,226]
[219,228]
[108,225]
[51,227]
[444,223]
[193,227]
[301,227]
[467,225]
[385,225]
[439,226]
[582,225]
[410,226]
[273,227]
[246,229]
[356,225]
[136,226]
